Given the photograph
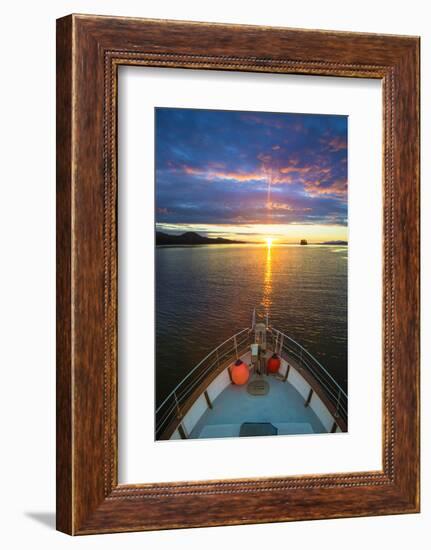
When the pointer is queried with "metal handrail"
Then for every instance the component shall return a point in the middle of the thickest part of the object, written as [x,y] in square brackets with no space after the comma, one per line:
[285,336]
[306,360]
[199,364]
[171,405]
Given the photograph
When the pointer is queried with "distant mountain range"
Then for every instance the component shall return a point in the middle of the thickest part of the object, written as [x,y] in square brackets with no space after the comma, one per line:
[336,243]
[190,238]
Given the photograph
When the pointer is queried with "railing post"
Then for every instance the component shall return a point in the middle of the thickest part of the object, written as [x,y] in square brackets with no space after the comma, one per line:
[336,415]
[310,395]
[179,415]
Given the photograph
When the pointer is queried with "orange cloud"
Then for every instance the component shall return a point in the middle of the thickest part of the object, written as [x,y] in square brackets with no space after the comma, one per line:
[193,171]
[290,174]
[238,176]
[285,207]
[212,174]
[296,169]
[338,188]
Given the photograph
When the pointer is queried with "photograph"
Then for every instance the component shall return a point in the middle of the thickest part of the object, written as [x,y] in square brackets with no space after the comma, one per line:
[251,273]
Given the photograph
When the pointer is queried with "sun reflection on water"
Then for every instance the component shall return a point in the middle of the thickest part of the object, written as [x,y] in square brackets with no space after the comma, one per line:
[267,281]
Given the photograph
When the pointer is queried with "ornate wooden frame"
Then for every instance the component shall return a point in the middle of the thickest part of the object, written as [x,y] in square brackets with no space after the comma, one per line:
[89,51]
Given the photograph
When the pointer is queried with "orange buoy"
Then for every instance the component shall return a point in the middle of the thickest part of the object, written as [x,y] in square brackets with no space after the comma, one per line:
[273,364]
[239,373]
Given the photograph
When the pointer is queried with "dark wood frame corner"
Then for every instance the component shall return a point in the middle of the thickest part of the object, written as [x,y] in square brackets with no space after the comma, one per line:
[89,51]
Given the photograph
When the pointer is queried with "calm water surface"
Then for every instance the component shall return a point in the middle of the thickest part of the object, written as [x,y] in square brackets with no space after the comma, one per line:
[204,294]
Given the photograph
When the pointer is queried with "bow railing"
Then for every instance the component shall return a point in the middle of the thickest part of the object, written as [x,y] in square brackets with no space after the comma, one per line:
[171,408]
[288,348]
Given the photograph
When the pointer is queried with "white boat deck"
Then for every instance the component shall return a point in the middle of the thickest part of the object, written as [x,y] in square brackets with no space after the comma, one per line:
[282,406]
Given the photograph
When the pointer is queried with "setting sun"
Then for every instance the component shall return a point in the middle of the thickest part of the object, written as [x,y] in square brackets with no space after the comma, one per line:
[268,242]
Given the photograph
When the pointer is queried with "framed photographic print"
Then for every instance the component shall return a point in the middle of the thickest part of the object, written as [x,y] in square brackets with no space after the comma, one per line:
[237,274]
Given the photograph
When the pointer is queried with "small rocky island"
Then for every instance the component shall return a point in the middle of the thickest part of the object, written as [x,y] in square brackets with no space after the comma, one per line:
[303,242]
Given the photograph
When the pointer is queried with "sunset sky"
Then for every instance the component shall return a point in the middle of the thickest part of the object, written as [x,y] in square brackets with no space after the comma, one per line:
[251,175]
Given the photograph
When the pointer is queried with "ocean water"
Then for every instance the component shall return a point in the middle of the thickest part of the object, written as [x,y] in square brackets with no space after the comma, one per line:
[205,294]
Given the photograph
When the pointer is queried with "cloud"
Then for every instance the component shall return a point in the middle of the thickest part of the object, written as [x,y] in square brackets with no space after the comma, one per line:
[264,158]
[315,179]
[266,119]
[234,167]
[212,174]
[337,188]
[294,169]
[285,207]
[335,143]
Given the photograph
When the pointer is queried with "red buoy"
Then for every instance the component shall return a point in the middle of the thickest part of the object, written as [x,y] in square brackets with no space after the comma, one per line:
[239,373]
[273,364]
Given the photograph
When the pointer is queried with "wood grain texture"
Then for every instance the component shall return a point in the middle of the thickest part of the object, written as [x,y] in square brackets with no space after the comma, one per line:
[64,495]
[90,49]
